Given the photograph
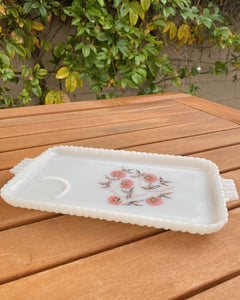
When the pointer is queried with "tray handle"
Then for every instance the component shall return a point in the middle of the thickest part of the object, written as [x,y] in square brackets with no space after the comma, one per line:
[230,190]
[20,166]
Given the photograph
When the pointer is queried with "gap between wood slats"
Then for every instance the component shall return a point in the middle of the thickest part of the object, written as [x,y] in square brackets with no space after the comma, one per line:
[136,238]
[197,144]
[58,126]
[208,286]
[87,105]
[150,232]
[106,112]
[136,138]
[184,241]
[213,108]
[221,291]
[75,135]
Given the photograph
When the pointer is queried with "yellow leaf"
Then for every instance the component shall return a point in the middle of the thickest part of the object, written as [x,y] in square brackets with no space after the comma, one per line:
[151,26]
[58,98]
[71,83]
[137,9]
[50,97]
[36,43]
[166,28]
[79,84]
[63,73]
[172,30]
[145,4]
[37,26]
[133,16]
[184,33]
[2,10]
[79,81]
[65,98]
[191,40]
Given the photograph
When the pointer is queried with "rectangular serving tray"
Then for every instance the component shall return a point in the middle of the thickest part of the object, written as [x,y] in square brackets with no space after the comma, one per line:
[163,191]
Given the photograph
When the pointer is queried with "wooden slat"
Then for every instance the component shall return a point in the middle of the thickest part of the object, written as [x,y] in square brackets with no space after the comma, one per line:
[226,158]
[131,139]
[28,249]
[192,144]
[164,266]
[86,105]
[8,160]
[229,289]
[64,136]
[214,108]
[54,126]
[104,116]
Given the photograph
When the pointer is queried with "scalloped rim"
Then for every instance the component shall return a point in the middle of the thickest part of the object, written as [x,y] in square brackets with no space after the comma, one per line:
[224,196]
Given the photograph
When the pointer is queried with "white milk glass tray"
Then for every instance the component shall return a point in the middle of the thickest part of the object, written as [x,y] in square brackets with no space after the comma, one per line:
[163,191]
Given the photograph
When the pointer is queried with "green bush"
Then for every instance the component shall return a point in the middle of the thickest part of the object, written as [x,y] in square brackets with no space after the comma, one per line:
[117,43]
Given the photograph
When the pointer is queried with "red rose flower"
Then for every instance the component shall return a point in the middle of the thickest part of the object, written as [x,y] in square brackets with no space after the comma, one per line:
[154,201]
[118,174]
[114,200]
[126,184]
[150,178]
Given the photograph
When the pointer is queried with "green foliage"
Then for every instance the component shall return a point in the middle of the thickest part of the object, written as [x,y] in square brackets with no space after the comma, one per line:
[117,43]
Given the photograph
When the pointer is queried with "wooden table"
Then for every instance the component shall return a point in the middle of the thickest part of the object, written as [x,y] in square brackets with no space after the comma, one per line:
[51,256]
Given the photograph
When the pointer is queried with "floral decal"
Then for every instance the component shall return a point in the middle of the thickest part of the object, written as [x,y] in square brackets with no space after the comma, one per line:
[117,175]
[126,184]
[150,178]
[132,187]
[114,200]
[154,201]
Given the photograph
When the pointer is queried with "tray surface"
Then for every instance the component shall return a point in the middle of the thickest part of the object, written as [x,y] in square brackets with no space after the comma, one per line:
[178,193]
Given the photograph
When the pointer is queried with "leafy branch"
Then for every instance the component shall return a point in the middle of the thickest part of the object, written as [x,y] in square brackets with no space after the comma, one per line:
[117,44]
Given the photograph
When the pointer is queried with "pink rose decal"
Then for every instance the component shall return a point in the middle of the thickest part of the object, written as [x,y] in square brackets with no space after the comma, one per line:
[114,200]
[154,201]
[126,184]
[132,187]
[150,178]
[118,174]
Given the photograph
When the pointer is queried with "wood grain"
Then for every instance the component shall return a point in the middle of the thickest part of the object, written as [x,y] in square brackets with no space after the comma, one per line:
[213,108]
[106,114]
[57,126]
[193,144]
[86,105]
[226,158]
[9,159]
[63,136]
[123,140]
[164,266]
[27,249]
[229,289]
